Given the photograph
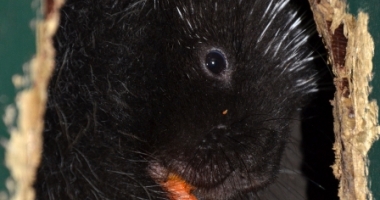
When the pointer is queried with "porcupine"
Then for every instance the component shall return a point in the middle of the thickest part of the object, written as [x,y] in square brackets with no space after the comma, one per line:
[205,90]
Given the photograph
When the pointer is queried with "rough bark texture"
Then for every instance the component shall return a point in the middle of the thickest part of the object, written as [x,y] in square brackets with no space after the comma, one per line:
[351,50]
[23,152]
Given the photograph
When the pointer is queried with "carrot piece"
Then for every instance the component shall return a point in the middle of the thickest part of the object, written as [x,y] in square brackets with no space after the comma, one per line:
[177,188]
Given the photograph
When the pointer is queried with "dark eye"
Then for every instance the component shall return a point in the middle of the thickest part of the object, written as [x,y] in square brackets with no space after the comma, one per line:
[215,62]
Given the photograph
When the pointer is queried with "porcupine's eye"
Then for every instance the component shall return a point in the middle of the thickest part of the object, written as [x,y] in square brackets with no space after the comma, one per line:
[215,62]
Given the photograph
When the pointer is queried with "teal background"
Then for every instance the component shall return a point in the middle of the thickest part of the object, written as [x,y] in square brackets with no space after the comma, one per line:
[17,46]
[372,7]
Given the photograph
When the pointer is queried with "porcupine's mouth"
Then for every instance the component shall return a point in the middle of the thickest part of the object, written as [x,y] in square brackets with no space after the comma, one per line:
[178,188]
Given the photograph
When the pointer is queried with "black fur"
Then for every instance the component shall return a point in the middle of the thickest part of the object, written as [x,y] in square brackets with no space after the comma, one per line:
[131,100]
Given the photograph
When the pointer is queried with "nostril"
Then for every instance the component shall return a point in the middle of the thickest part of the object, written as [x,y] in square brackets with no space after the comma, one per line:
[221,126]
[216,135]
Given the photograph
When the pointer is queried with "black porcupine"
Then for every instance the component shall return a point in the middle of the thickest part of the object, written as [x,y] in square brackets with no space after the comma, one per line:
[202,89]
